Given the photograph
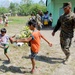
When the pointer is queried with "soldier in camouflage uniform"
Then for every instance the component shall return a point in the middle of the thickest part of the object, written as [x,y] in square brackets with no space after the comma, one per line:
[67,23]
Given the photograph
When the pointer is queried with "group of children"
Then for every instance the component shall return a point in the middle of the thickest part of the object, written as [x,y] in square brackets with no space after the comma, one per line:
[34,41]
[43,19]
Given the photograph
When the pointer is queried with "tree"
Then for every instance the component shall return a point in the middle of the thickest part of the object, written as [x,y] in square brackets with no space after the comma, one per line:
[27,2]
[14,8]
[3,10]
[23,9]
[41,2]
[35,7]
[24,6]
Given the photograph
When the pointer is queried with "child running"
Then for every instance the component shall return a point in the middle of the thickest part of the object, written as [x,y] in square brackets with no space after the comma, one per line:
[4,41]
[34,40]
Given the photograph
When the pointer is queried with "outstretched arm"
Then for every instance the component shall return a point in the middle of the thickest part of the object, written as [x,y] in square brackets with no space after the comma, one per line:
[11,39]
[25,40]
[50,44]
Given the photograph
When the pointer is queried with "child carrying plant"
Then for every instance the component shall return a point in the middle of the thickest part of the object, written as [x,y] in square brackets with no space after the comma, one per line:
[34,40]
[4,41]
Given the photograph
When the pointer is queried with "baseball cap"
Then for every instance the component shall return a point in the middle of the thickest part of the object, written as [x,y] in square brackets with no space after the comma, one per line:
[66,4]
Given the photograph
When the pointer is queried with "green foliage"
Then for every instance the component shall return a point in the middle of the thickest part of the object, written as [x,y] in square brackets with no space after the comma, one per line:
[25,33]
[3,10]
[27,2]
[14,8]
[41,2]
[34,8]
[23,10]
[19,20]
[26,7]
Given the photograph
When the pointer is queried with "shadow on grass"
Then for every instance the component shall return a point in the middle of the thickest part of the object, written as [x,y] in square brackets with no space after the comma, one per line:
[51,60]
[8,68]
[12,69]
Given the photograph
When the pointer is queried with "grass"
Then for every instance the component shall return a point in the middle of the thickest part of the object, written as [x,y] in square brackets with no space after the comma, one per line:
[17,20]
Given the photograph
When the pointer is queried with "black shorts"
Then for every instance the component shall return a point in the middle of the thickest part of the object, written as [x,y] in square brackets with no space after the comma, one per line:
[33,55]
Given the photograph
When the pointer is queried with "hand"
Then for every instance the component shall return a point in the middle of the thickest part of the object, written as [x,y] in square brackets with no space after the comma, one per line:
[50,44]
[11,40]
[16,41]
[53,33]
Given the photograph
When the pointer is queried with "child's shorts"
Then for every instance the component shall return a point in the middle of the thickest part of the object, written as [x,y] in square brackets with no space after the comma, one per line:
[6,49]
[33,55]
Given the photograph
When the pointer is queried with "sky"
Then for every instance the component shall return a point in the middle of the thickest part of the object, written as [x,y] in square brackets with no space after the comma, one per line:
[35,1]
[7,2]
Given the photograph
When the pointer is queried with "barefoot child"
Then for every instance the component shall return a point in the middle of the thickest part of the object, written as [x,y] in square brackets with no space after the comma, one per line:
[4,42]
[34,40]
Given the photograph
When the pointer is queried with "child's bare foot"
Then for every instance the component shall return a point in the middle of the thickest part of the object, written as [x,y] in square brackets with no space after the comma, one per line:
[8,60]
[32,71]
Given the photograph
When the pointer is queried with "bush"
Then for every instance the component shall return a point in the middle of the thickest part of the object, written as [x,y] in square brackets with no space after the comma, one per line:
[3,10]
[34,8]
[25,10]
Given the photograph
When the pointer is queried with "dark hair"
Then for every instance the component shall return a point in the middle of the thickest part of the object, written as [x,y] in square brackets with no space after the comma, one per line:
[32,22]
[3,30]
[32,14]
[50,14]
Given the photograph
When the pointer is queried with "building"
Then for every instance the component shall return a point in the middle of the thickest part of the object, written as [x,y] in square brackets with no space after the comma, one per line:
[55,7]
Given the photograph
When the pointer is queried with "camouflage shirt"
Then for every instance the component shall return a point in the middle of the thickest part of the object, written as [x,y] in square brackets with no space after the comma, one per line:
[67,24]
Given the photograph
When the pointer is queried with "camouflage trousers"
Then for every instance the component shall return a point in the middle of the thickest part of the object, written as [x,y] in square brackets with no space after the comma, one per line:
[65,44]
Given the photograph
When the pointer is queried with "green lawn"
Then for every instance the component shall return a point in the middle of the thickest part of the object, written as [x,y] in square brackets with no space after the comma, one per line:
[17,20]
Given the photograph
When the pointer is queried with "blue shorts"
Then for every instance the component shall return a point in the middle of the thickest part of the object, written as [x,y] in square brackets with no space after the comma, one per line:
[33,55]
